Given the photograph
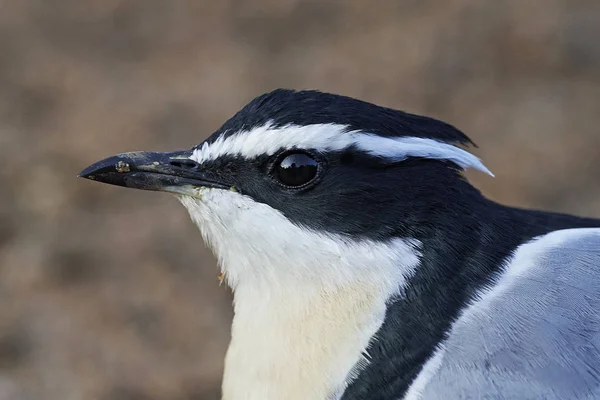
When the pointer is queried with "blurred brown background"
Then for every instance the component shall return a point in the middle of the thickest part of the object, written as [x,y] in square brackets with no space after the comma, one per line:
[108,293]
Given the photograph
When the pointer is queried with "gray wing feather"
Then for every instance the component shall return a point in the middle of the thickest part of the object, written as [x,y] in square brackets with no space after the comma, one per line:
[538,339]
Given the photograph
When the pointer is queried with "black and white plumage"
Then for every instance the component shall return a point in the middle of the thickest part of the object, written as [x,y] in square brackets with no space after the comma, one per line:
[364,265]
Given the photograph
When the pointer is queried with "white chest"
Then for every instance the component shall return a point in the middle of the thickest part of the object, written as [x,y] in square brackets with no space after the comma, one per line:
[299,344]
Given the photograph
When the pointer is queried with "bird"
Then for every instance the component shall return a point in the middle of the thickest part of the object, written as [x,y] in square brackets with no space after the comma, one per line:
[364,265]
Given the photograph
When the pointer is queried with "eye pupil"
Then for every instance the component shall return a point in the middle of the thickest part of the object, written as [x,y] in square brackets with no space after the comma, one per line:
[297,169]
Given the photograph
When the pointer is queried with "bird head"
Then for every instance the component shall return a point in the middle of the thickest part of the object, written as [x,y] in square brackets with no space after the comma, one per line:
[301,186]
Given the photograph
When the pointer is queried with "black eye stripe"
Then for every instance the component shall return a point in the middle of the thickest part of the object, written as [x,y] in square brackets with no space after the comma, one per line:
[295,169]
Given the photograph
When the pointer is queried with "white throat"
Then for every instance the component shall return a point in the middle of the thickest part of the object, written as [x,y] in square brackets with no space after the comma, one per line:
[306,304]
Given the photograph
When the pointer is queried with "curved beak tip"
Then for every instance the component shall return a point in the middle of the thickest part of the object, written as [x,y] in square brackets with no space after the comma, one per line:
[109,170]
[87,173]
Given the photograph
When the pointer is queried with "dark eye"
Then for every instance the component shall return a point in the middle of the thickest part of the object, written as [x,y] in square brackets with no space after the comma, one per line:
[296,169]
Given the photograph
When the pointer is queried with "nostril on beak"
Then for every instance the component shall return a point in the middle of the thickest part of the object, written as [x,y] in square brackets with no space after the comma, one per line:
[184,164]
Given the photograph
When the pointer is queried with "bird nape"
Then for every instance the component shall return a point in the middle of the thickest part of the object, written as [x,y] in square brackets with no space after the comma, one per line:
[364,266]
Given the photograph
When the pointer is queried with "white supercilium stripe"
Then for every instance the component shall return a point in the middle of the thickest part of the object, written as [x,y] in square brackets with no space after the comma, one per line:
[267,140]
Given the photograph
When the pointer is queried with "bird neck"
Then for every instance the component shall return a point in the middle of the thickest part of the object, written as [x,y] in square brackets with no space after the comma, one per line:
[304,337]
[299,343]
[306,302]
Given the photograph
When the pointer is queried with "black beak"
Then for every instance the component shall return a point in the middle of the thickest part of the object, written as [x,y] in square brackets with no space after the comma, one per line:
[170,172]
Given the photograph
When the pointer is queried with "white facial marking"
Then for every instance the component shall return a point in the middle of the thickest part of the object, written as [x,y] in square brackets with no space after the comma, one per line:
[306,304]
[267,140]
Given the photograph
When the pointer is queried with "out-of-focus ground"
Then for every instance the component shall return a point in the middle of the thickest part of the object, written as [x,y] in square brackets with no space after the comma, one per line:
[108,293]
